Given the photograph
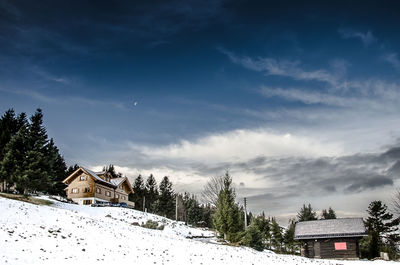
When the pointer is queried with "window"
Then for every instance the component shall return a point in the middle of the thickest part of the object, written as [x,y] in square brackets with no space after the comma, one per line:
[75,191]
[123,197]
[86,190]
[98,190]
[117,196]
[108,193]
[87,202]
[82,178]
[340,246]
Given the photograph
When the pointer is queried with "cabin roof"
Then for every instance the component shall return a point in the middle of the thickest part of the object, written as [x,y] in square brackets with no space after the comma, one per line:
[331,228]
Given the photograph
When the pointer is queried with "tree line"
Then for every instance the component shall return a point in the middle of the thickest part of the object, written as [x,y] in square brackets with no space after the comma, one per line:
[30,162]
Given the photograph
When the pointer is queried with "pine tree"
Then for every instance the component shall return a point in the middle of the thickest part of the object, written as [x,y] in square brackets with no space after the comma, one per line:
[227,219]
[194,212]
[57,170]
[151,193]
[9,126]
[264,226]
[253,238]
[277,237]
[71,169]
[328,214]
[14,163]
[288,237]
[37,167]
[166,199]
[381,226]
[139,191]
[306,214]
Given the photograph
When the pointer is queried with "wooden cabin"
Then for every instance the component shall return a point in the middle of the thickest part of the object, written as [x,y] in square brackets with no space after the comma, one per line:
[87,187]
[331,239]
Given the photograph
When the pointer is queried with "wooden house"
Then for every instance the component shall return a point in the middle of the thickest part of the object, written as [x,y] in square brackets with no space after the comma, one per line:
[331,239]
[87,187]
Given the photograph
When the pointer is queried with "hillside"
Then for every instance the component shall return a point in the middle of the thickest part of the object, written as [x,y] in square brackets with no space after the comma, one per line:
[72,234]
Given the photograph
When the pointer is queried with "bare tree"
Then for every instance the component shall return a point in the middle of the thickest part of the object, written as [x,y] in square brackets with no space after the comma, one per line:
[396,202]
[212,189]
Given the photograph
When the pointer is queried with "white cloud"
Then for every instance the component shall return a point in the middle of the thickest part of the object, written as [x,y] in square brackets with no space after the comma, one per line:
[366,38]
[393,59]
[242,144]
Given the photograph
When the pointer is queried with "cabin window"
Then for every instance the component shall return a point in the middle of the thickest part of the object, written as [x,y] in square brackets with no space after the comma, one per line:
[117,196]
[340,246]
[87,202]
[86,190]
[108,193]
[123,197]
[75,190]
[98,190]
[82,178]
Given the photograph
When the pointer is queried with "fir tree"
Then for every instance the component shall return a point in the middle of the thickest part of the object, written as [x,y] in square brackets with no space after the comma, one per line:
[381,226]
[37,166]
[166,199]
[14,163]
[328,214]
[306,214]
[194,213]
[277,237]
[227,219]
[57,170]
[71,169]
[139,192]
[151,193]
[288,237]
[264,226]
[253,238]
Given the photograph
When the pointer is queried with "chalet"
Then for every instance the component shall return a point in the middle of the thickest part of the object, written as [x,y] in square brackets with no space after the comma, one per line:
[333,238]
[87,187]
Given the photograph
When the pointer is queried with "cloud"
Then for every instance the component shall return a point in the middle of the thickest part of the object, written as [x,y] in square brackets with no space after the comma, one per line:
[367,38]
[393,59]
[286,68]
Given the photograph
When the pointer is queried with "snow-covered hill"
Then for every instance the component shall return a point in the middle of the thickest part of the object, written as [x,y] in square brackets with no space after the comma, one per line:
[74,234]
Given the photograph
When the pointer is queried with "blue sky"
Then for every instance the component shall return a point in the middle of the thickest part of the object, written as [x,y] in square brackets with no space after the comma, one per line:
[286,95]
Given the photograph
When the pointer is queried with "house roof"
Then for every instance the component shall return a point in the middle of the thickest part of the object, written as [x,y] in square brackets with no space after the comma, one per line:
[331,228]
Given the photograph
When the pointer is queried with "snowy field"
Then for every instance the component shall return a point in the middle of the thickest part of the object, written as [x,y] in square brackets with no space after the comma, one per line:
[73,234]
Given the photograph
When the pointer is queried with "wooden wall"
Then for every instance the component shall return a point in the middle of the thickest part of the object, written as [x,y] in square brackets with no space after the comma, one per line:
[327,248]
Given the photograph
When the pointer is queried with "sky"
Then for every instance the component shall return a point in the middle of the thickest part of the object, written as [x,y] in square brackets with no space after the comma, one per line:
[298,100]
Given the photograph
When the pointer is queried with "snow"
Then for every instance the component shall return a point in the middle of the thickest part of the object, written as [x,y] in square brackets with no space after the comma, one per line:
[75,234]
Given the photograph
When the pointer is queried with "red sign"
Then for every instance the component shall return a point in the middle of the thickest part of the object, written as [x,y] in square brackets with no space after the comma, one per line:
[340,246]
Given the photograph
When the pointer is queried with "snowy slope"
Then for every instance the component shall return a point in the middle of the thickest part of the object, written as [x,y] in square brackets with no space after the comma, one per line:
[73,234]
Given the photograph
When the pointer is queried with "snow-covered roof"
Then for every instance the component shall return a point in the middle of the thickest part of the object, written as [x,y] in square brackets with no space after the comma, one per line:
[342,227]
[117,181]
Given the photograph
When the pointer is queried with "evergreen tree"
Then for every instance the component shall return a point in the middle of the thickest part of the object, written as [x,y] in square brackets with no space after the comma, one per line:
[288,237]
[227,219]
[264,226]
[139,191]
[71,169]
[111,170]
[194,212]
[13,166]
[151,193]
[306,214]
[166,199]
[328,214]
[37,166]
[277,237]
[57,170]
[381,227]
[253,238]
[9,126]
[207,215]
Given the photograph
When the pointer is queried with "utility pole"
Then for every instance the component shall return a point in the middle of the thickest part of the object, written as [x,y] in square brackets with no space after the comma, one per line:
[245,213]
[176,207]
[144,203]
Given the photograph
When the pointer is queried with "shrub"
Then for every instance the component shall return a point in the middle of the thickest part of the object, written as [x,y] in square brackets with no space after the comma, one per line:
[153,225]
